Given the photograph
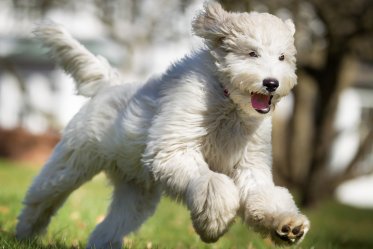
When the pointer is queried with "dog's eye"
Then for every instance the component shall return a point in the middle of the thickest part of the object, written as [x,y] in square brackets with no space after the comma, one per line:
[282,57]
[253,54]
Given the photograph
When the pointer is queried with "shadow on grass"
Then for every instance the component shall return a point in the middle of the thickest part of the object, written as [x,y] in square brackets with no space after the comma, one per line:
[340,241]
[9,241]
[337,226]
[354,243]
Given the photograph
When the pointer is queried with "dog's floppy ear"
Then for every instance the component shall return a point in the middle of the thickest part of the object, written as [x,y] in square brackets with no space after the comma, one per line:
[290,25]
[211,23]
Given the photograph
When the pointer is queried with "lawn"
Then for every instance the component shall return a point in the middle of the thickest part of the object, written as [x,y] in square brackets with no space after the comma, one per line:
[333,225]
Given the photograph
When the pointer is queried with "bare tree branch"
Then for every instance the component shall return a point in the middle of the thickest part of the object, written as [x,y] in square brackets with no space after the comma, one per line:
[364,148]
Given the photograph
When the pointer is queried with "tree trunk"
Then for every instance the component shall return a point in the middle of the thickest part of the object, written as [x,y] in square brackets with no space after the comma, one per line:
[314,184]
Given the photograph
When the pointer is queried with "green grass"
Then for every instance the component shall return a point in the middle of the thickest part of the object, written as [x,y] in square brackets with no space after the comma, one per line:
[333,225]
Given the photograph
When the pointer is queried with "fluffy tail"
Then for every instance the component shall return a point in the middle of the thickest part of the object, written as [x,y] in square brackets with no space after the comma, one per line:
[91,73]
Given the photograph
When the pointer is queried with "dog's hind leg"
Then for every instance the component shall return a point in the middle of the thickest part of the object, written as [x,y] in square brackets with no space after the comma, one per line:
[132,204]
[62,174]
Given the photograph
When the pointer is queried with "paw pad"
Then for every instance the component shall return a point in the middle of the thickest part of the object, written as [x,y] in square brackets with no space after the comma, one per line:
[289,234]
[291,230]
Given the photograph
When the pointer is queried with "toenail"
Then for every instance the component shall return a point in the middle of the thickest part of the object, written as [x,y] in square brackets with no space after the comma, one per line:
[285,229]
[296,230]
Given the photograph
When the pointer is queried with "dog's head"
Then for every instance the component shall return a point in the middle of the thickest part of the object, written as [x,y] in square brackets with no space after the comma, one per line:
[254,52]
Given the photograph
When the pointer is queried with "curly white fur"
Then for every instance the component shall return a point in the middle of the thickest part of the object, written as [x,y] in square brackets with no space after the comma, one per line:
[193,133]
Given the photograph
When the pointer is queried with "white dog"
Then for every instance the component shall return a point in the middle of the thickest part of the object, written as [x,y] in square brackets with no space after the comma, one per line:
[201,133]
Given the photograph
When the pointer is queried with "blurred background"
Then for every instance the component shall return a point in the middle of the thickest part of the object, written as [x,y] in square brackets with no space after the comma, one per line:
[323,131]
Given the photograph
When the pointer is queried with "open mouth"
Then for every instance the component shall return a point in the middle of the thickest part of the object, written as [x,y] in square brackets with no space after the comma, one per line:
[261,102]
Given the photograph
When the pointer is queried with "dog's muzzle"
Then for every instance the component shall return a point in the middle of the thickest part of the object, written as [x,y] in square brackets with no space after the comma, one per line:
[262,102]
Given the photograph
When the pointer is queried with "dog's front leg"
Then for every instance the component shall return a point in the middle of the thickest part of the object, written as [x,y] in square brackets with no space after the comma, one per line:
[269,209]
[212,198]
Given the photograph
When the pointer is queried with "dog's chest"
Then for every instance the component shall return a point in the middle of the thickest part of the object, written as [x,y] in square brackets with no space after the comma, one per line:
[223,147]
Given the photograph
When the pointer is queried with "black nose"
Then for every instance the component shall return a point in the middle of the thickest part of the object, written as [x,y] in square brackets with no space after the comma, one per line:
[270,84]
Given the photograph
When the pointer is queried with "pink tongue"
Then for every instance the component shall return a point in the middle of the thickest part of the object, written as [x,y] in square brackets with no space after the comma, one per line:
[260,101]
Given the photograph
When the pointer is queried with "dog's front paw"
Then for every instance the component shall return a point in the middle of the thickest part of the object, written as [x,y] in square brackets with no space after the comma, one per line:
[289,229]
[213,202]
